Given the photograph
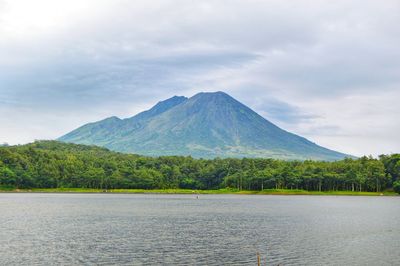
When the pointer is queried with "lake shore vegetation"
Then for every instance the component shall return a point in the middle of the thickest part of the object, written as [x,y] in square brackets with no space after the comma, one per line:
[51,166]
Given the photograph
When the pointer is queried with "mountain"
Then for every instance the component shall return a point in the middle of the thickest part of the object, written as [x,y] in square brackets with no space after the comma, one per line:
[206,125]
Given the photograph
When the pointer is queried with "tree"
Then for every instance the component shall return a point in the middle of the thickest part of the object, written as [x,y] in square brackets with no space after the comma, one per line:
[45,164]
[396,186]
[7,176]
[376,177]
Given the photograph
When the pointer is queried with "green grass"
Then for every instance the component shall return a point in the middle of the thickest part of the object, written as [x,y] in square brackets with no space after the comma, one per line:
[333,193]
[190,191]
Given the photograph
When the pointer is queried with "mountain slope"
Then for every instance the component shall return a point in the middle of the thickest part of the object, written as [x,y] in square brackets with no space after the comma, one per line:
[105,131]
[205,125]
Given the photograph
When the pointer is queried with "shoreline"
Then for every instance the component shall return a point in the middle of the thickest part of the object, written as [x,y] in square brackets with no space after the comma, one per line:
[281,192]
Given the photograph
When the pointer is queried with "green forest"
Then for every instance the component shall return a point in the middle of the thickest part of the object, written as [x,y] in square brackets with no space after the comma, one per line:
[52,164]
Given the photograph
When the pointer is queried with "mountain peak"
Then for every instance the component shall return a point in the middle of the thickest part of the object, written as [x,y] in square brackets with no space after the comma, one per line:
[168,103]
[174,98]
[161,107]
[215,99]
[207,125]
[211,94]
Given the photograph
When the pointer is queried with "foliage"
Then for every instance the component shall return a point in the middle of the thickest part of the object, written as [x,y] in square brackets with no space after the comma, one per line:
[396,186]
[56,165]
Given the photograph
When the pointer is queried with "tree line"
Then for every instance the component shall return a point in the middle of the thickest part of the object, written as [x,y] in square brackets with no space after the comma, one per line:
[52,164]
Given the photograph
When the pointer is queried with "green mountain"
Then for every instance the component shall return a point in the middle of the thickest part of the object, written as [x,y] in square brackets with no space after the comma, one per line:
[206,125]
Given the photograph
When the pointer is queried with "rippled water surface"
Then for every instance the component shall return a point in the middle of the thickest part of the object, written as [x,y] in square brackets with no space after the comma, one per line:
[104,229]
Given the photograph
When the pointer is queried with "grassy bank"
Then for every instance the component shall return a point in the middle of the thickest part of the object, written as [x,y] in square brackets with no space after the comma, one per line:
[189,191]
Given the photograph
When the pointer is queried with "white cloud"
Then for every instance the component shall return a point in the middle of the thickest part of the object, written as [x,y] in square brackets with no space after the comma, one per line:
[327,70]
[357,124]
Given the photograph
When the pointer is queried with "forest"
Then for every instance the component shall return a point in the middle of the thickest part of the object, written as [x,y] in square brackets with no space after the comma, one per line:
[52,164]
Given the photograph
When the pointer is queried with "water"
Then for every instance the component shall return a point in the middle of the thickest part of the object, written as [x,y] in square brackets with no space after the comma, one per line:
[104,229]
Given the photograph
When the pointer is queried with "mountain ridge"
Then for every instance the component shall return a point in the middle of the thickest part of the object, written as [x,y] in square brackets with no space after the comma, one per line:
[208,125]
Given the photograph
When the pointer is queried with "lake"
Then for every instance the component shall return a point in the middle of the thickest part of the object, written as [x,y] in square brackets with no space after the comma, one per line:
[142,229]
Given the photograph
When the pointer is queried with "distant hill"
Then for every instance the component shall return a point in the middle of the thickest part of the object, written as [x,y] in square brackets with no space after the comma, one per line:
[206,125]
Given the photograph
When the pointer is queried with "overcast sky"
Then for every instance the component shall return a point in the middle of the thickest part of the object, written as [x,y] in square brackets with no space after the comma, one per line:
[326,70]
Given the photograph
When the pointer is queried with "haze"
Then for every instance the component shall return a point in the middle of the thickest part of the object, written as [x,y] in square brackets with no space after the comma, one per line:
[329,71]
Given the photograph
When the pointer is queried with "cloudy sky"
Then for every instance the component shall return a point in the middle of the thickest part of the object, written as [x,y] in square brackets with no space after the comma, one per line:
[327,70]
